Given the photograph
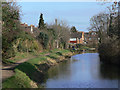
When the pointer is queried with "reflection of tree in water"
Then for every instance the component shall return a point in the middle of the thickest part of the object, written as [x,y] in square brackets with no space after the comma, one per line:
[61,70]
[110,71]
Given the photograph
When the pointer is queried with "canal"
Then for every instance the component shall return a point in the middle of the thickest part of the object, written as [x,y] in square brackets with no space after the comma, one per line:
[82,71]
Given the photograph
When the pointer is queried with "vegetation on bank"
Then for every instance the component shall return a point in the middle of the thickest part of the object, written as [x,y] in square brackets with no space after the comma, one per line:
[19,56]
[82,47]
[19,80]
[14,38]
[31,72]
[107,25]
[79,48]
[18,43]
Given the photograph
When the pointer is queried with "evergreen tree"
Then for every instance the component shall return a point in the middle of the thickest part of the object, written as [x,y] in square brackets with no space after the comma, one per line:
[73,29]
[43,39]
[41,22]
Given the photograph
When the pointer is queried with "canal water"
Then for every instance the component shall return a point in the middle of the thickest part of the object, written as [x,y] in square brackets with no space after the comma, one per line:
[82,71]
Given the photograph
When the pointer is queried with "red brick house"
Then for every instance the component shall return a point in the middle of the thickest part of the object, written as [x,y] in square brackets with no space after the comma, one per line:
[77,38]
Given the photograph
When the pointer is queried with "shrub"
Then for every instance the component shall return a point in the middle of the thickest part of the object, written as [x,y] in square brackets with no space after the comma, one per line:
[43,39]
[109,51]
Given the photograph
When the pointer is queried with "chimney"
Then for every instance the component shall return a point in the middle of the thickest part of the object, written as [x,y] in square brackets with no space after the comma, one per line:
[55,21]
[83,35]
[31,28]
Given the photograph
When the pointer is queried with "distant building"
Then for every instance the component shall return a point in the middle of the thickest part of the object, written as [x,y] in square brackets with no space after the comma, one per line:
[77,38]
[32,26]
[86,38]
[24,25]
[30,29]
[91,38]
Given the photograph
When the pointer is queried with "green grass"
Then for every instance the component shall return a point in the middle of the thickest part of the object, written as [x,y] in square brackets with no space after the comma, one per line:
[53,55]
[85,47]
[64,52]
[19,56]
[19,80]
[59,53]
[37,60]
[43,53]
[55,50]
[81,47]
[9,61]
[31,67]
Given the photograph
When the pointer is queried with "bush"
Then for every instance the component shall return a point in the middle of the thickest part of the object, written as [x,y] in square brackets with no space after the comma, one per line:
[26,43]
[10,28]
[43,39]
[109,51]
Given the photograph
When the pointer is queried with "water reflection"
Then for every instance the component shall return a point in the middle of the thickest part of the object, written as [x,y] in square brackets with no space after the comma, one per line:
[109,71]
[82,71]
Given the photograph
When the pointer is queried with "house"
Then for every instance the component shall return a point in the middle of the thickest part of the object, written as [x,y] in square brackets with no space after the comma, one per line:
[30,29]
[91,38]
[86,38]
[77,38]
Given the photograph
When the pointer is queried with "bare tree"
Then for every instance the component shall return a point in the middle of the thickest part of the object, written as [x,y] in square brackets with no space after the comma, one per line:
[62,32]
[100,24]
[106,24]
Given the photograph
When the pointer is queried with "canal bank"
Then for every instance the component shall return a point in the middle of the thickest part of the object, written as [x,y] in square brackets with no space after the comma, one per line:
[31,73]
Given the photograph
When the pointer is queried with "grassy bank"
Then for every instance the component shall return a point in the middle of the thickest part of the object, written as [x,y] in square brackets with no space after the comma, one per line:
[19,56]
[29,73]
[19,80]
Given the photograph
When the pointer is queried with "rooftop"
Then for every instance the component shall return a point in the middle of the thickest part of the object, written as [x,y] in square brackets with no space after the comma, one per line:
[76,35]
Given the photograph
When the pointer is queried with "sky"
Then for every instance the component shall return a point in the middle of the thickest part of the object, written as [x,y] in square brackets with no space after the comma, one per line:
[76,14]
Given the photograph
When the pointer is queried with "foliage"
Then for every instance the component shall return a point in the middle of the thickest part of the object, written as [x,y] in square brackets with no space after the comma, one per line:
[61,34]
[109,51]
[73,29]
[81,47]
[14,38]
[107,26]
[53,36]
[10,27]
[43,38]
[26,43]
[41,22]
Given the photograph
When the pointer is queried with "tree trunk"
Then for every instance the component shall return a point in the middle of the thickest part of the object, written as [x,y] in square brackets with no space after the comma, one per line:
[57,44]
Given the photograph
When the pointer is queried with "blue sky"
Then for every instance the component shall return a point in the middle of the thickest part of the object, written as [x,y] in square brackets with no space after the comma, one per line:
[76,14]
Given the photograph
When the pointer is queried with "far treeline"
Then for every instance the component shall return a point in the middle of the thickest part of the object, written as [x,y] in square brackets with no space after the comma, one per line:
[15,39]
[107,25]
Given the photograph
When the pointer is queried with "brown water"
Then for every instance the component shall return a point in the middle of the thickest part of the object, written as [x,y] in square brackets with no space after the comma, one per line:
[82,71]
